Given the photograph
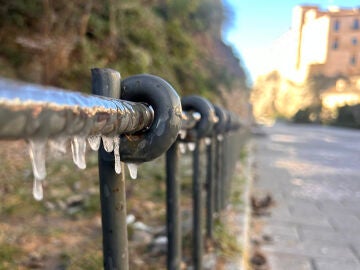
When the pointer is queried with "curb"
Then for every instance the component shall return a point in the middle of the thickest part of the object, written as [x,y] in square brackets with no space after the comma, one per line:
[238,215]
[249,166]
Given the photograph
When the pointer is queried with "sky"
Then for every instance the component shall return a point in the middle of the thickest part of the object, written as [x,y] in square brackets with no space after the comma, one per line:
[256,24]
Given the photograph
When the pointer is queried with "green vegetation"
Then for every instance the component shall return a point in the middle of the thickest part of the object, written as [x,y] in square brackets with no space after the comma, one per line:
[226,244]
[56,43]
[348,116]
[8,254]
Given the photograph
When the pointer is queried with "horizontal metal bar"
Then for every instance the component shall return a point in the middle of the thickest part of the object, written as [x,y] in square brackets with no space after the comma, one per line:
[30,110]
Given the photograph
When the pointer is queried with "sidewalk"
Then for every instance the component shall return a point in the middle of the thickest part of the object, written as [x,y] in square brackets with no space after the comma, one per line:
[313,176]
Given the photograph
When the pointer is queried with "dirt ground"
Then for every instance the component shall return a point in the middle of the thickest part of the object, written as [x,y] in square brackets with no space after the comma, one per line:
[64,230]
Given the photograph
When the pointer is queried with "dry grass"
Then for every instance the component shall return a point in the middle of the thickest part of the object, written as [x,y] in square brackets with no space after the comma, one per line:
[50,235]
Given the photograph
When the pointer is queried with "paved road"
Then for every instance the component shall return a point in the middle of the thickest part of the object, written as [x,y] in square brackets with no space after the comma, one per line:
[313,172]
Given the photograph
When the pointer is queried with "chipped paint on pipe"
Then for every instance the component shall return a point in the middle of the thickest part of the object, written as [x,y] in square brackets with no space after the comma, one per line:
[30,110]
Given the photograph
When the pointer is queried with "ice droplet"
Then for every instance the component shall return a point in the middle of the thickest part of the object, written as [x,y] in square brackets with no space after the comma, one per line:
[133,168]
[182,134]
[108,143]
[94,142]
[220,137]
[117,154]
[182,148]
[207,141]
[78,148]
[59,144]
[38,190]
[191,146]
[37,154]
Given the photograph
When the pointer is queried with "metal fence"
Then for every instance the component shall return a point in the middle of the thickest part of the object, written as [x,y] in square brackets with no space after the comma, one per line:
[134,120]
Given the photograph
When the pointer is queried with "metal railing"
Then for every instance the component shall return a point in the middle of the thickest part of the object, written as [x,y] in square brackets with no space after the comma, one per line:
[134,121]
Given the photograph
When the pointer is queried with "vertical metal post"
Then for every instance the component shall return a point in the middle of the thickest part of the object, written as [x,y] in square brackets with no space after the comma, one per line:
[209,189]
[106,82]
[173,209]
[224,170]
[197,206]
[217,174]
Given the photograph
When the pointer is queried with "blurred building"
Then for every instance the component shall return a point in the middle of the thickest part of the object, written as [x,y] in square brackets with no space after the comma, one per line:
[319,42]
[345,92]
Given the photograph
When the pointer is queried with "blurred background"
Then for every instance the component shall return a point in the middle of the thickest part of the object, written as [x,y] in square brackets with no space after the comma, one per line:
[302,59]
[264,60]
[56,43]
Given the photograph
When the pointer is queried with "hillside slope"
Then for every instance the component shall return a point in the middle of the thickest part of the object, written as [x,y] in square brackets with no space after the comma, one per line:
[55,42]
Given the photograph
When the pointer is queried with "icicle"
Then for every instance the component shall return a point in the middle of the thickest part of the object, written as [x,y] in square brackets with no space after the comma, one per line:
[207,141]
[117,154]
[132,170]
[59,144]
[191,146]
[182,148]
[108,143]
[182,134]
[94,142]
[78,148]
[220,137]
[37,155]
[38,190]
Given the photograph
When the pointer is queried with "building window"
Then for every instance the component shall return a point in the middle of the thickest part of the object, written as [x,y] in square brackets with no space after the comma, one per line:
[335,44]
[356,24]
[336,25]
[353,60]
[354,41]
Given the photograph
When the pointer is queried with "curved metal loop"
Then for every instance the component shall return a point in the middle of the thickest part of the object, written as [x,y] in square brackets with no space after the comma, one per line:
[220,126]
[206,109]
[157,139]
[233,121]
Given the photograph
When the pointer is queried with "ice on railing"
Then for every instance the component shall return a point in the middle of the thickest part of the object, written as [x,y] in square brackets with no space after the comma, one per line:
[94,142]
[116,141]
[207,141]
[78,149]
[182,134]
[37,155]
[37,150]
[38,190]
[133,168]
[182,148]
[108,143]
[191,146]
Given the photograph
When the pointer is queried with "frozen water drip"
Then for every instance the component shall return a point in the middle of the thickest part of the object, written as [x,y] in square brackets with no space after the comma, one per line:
[191,146]
[38,190]
[207,141]
[78,148]
[108,143]
[117,154]
[133,168]
[37,148]
[94,142]
[182,148]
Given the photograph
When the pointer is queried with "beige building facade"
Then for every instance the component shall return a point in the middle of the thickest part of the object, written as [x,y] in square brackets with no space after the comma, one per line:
[319,41]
